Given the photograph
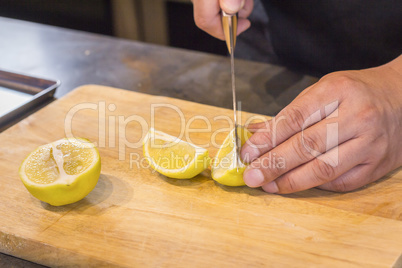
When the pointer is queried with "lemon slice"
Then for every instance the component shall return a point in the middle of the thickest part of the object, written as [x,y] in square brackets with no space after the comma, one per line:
[61,172]
[223,167]
[173,157]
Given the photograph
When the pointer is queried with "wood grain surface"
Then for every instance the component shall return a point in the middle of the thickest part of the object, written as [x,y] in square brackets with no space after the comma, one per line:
[135,217]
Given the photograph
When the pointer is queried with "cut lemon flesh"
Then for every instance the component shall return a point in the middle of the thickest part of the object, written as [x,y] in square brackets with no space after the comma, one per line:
[173,157]
[226,168]
[61,172]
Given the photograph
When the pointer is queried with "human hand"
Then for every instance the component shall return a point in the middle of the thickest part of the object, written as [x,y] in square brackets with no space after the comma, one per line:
[207,15]
[359,134]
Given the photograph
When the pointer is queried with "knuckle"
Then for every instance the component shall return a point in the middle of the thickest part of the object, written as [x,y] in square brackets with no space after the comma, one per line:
[201,22]
[312,142]
[295,118]
[323,171]
[369,115]
[379,149]
[247,9]
[260,140]
[292,186]
[343,81]
[382,146]
[288,185]
[306,146]
[339,186]
[271,166]
[299,149]
[254,127]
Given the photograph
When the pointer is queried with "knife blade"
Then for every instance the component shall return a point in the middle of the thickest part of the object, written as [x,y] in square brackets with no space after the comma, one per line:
[229,24]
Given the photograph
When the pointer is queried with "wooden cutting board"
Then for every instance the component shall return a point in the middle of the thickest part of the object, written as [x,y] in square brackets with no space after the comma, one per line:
[135,217]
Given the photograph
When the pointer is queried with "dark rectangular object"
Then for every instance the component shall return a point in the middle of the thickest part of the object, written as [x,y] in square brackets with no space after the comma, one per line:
[21,94]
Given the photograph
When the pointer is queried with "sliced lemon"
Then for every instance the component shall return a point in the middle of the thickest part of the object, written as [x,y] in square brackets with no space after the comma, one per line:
[173,157]
[224,168]
[61,172]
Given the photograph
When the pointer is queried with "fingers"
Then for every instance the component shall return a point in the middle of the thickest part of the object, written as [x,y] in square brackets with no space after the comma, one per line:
[231,6]
[298,150]
[298,115]
[242,25]
[321,170]
[355,178]
[368,152]
[246,10]
[207,15]
[254,127]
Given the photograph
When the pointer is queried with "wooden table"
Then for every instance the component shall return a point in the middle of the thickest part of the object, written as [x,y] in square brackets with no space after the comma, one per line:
[78,58]
[136,217]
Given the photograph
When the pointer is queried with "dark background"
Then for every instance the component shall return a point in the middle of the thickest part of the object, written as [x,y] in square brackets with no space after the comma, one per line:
[96,16]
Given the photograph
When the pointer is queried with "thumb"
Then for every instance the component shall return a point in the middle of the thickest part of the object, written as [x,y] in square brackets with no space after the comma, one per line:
[231,6]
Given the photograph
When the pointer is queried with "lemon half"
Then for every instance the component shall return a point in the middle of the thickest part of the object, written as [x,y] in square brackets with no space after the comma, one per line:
[61,172]
[173,157]
[224,168]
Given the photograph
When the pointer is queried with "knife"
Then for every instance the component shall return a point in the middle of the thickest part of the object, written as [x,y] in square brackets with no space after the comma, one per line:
[229,23]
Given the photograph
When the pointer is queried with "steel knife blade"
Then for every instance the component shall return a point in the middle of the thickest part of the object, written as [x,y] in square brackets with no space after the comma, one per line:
[229,24]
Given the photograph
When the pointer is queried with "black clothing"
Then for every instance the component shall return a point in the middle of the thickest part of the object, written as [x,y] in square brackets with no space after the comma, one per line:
[322,36]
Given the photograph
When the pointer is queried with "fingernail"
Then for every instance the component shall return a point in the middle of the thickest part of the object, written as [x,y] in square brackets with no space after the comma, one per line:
[271,187]
[232,6]
[248,154]
[253,177]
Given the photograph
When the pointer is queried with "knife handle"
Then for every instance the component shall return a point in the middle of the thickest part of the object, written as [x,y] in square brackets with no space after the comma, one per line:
[229,24]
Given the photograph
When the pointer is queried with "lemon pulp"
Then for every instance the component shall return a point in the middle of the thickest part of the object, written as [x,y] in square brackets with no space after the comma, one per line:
[226,169]
[62,172]
[173,157]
